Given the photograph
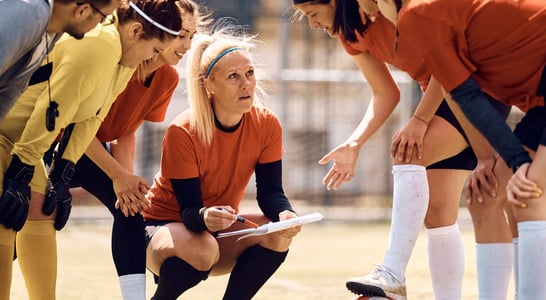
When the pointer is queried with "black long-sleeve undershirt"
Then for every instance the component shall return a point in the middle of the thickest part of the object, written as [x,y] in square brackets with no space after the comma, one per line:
[270,195]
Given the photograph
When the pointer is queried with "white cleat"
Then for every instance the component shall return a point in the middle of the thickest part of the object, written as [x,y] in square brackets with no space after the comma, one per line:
[381,282]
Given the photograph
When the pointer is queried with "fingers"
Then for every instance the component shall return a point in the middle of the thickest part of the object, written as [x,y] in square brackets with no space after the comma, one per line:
[404,150]
[483,184]
[290,232]
[400,152]
[420,150]
[333,180]
[511,197]
[325,159]
[520,188]
[328,176]
[468,194]
[394,148]
[219,217]
[475,193]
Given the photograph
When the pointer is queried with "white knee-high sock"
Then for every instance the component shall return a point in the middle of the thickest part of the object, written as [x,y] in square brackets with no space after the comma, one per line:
[516,276]
[133,286]
[410,202]
[446,261]
[494,266]
[532,260]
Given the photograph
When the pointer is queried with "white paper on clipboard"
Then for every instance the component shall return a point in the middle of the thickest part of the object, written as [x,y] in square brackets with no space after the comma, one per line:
[273,226]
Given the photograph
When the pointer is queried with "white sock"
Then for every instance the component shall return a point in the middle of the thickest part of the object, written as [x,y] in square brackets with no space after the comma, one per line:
[133,286]
[410,203]
[532,260]
[446,261]
[516,277]
[494,266]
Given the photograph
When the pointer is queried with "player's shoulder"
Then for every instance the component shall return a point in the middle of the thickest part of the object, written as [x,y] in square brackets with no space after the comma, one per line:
[263,112]
[167,70]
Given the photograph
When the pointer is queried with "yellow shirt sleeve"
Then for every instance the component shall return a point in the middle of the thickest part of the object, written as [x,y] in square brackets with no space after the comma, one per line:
[82,135]
[81,70]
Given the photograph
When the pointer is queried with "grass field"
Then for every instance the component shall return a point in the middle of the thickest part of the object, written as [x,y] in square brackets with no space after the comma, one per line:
[322,257]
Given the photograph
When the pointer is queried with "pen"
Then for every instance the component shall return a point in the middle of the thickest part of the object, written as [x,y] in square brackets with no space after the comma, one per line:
[242,220]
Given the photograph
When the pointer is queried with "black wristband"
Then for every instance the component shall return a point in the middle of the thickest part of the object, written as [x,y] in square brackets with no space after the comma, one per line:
[193,218]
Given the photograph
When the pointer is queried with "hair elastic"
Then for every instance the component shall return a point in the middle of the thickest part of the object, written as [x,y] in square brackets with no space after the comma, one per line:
[222,54]
[147,18]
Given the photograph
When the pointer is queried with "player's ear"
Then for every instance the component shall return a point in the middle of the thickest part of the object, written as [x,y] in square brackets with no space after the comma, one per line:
[135,30]
[81,10]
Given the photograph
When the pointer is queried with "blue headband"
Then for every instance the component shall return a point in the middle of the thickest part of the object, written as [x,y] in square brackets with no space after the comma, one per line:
[228,50]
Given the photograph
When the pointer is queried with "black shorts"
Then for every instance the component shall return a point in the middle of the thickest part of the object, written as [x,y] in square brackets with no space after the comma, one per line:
[531,130]
[151,227]
[465,160]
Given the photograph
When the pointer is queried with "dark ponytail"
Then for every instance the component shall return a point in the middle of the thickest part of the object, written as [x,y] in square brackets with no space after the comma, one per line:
[347,20]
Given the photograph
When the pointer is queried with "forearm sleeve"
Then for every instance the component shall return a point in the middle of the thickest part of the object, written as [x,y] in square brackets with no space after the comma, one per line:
[188,196]
[475,105]
[270,194]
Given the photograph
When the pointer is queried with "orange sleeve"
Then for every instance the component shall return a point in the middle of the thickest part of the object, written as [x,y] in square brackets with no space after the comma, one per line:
[178,159]
[169,81]
[272,141]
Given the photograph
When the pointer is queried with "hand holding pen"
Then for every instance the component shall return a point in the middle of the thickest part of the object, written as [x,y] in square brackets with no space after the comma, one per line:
[242,219]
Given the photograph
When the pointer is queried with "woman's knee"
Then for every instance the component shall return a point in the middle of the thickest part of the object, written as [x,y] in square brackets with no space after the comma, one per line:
[488,205]
[276,242]
[201,253]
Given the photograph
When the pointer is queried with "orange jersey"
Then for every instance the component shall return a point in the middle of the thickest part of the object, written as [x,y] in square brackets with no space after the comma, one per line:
[139,103]
[501,43]
[379,40]
[224,168]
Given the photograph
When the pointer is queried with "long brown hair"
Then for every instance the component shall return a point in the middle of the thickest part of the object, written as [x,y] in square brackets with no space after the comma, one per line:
[185,7]
[347,19]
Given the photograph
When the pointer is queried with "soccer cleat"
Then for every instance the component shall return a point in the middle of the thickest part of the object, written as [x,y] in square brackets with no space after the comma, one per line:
[381,282]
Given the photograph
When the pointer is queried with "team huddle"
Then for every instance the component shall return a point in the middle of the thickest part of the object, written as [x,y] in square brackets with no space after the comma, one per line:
[78,78]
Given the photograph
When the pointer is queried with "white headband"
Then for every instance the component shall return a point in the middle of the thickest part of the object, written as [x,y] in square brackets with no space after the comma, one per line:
[147,18]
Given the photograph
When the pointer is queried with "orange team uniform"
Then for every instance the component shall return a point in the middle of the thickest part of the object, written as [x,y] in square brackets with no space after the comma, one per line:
[379,41]
[501,43]
[139,103]
[224,168]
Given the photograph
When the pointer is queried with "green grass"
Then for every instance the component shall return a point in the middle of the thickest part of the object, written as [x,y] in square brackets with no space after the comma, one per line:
[321,258]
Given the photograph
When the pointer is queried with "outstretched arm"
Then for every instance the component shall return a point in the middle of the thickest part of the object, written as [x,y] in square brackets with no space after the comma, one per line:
[386,96]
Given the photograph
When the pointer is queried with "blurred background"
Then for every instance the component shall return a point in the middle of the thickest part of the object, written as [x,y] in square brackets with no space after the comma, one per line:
[320,97]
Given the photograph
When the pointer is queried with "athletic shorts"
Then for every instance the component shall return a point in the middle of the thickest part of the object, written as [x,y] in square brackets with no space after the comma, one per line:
[465,160]
[151,227]
[531,130]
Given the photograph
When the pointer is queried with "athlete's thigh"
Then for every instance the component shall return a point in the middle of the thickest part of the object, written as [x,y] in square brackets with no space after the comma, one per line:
[174,239]
[536,207]
[442,140]
[232,247]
